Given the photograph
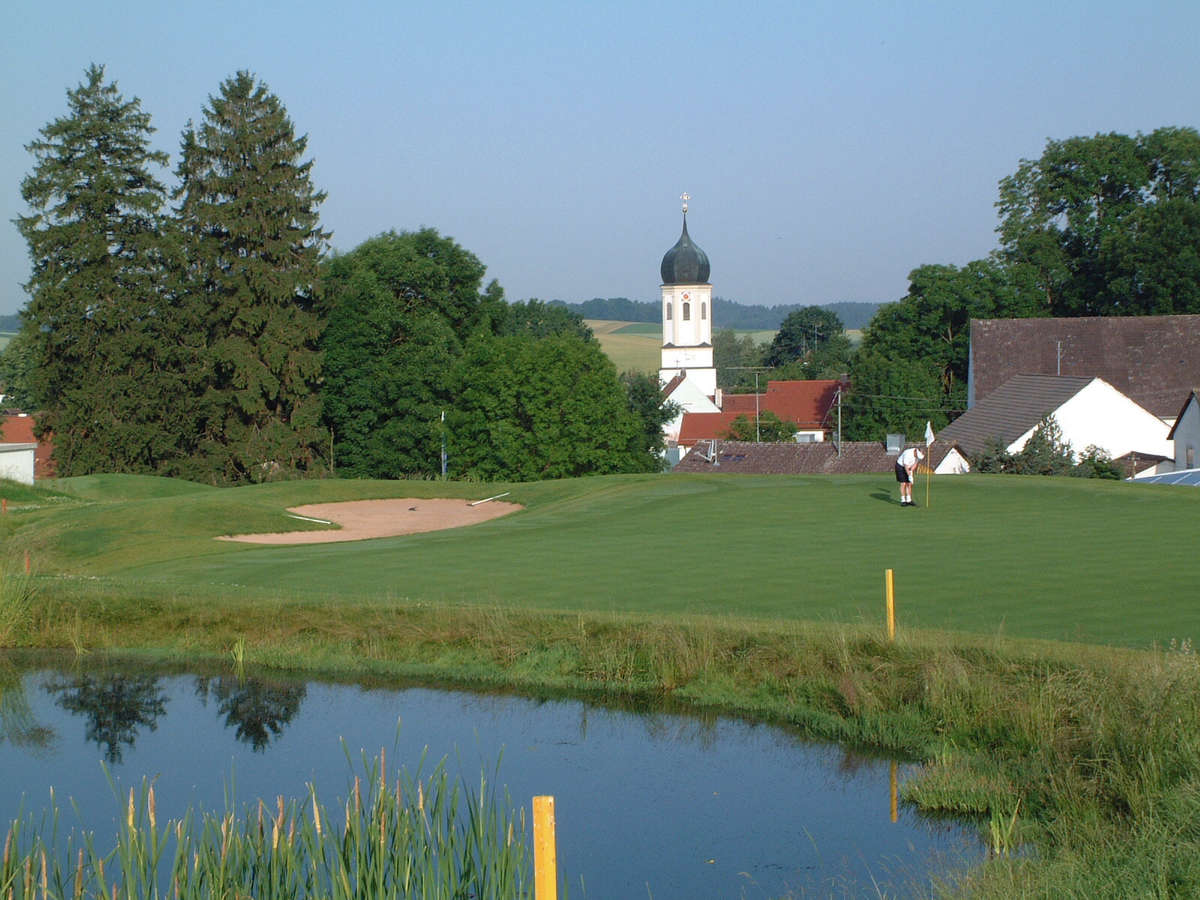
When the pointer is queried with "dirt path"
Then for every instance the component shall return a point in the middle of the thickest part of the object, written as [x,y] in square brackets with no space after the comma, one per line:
[363,519]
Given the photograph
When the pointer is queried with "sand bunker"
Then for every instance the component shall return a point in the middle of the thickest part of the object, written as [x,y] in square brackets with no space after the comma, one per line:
[363,519]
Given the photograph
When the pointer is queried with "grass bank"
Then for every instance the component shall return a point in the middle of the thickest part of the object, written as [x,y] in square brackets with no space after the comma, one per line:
[1090,753]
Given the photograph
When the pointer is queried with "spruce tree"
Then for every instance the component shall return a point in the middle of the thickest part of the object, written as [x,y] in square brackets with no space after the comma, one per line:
[252,241]
[100,329]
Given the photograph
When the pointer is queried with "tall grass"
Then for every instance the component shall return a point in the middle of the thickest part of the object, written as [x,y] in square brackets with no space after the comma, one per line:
[411,836]
[18,592]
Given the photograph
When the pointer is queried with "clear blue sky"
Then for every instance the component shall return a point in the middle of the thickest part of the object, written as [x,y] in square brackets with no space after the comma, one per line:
[829,147]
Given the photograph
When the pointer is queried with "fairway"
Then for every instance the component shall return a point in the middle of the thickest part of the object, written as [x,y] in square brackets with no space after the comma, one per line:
[1061,559]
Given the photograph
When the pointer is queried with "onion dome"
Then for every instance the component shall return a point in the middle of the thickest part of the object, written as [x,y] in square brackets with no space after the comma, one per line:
[685,263]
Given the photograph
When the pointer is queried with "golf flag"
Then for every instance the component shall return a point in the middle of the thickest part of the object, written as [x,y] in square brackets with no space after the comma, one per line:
[928,462]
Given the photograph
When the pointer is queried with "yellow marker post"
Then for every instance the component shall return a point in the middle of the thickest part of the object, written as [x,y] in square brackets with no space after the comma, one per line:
[545,854]
[894,783]
[889,593]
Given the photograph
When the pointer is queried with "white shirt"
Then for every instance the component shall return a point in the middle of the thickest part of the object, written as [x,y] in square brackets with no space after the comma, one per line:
[908,457]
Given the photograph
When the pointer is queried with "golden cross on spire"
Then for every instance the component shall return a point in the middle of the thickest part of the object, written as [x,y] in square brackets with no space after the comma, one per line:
[685,198]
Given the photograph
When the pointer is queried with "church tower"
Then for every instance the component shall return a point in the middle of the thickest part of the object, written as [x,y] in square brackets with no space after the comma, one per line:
[687,314]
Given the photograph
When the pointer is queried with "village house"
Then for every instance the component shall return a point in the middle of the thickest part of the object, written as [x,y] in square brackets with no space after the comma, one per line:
[825,458]
[22,453]
[1089,411]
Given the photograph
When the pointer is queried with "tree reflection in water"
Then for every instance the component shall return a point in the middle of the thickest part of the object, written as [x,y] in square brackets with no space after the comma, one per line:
[17,723]
[115,706]
[258,710]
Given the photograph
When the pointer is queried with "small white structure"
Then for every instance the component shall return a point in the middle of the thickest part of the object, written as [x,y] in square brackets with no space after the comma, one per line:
[1186,433]
[16,462]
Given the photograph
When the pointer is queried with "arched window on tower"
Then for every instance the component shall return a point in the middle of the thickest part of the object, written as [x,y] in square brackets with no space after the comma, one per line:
[668,305]
[687,312]
[703,311]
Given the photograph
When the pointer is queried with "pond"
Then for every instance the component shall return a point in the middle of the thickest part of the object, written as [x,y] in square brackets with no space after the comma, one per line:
[648,804]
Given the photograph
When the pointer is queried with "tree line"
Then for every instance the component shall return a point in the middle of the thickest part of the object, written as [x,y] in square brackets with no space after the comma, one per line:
[742,317]
[208,332]
[1097,226]
[1107,225]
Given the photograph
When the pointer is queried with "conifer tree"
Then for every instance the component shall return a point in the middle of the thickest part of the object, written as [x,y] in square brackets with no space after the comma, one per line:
[100,329]
[252,241]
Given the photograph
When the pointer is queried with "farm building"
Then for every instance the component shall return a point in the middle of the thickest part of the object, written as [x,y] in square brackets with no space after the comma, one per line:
[1088,410]
[16,462]
[1152,360]
[786,458]
[1185,433]
[17,429]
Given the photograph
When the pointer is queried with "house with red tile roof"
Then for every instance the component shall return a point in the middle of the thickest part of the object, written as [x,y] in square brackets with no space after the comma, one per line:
[18,429]
[810,405]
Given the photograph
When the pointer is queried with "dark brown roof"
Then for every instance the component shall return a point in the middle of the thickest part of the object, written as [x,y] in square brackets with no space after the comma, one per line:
[1012,409]
[1153,360]
[788,458]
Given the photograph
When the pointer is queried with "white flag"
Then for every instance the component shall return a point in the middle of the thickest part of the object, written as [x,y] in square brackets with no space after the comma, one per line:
[928,433]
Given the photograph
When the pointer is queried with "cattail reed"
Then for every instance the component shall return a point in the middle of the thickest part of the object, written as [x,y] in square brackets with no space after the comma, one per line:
[465,845]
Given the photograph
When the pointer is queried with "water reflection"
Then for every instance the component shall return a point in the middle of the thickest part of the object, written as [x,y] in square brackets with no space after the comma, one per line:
[17,723]
[116,706]
[689,806]
[257,710]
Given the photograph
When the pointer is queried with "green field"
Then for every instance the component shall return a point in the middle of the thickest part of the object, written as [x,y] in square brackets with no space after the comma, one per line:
[5,337]
[637,346]
[1058,559]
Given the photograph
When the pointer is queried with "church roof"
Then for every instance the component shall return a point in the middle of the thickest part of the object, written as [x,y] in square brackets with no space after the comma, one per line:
[685,263]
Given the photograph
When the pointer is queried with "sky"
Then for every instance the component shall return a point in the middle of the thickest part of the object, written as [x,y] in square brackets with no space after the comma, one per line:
[829,148]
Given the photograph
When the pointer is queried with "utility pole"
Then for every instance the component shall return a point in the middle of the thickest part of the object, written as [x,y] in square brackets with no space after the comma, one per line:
[757,438]
[839,405]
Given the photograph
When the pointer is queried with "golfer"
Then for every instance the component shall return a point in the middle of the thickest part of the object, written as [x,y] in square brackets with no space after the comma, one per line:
[906,468]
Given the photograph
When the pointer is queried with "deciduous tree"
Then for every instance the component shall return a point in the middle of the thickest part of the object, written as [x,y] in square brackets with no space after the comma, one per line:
[1107,225]
[769,428]
[533,408]
[398,308]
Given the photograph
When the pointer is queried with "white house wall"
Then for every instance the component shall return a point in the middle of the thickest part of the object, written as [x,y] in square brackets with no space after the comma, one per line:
[1101,415]
[16,462]
[1187,437]
[954,463]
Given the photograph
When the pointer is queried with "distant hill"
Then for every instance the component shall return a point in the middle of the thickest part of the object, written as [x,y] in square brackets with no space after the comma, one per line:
[726,313]
[10,323]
